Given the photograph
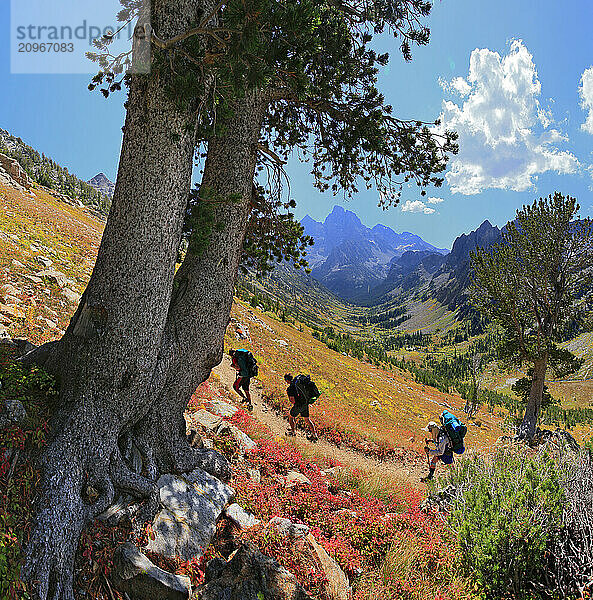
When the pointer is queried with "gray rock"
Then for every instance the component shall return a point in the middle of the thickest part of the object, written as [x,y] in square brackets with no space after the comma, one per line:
[34,279]
[11,412]
[191,506]
[337,586]
[222,409]
[195,439]
[241,517]
[254,474]
[286,528]
[7,290]
[23,345]
[295,478]
[54,277]
[206,419]
[249,575]
[71,295]
[243,439]
[135,575]
[46,262]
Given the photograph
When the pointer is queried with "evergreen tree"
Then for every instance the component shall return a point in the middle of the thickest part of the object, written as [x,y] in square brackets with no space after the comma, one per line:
[531,284]
[249,80]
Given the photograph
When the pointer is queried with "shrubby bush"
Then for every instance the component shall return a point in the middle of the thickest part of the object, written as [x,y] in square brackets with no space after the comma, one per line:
[524,522]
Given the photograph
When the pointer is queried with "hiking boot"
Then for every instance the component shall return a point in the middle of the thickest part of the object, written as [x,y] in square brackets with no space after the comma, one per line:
[312,438]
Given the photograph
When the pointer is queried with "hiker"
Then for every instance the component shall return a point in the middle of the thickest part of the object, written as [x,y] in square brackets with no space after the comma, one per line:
[246,366]
[438,447]
[297,394]
[446,439]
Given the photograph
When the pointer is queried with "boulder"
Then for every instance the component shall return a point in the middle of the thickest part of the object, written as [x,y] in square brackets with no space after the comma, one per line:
[191,505]
[238,515]
[48,322]
[195,439]
[44,261]
[11,310]
[254,474]
[249,575]
[222,409]
[295,478]
[16,175]
[337,586]
[243,439]
[206,419]
[134,574]
[71,295]
[23,345]
[34,279]
[54,277]
[11,412]
[8,290]
[560,438]
[285,527]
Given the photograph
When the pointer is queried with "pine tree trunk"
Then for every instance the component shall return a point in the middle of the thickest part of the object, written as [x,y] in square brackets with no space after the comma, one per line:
[531,416]
[107,358]
[204,284]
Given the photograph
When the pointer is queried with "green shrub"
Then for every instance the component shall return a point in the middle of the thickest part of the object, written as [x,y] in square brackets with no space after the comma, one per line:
[506,515]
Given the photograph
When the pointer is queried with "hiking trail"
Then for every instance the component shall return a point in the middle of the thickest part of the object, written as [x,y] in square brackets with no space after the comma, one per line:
[409,472]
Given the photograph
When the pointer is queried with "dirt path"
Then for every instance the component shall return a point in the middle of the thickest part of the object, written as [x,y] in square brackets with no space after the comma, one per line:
[391,470]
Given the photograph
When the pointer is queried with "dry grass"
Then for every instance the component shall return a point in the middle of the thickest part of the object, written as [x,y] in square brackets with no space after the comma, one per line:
[385,406]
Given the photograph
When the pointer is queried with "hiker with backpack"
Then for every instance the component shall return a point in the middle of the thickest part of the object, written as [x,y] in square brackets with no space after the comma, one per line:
[246,366]
[445,440]
[301,392]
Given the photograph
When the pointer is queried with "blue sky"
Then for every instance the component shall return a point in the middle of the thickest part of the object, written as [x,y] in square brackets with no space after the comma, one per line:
[521,109]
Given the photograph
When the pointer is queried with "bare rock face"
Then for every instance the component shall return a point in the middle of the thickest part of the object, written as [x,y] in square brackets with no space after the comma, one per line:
[249,575]
[11,170]
[186,524]
[135,575]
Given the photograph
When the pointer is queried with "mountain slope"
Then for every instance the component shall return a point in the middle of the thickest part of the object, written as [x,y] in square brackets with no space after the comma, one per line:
[350,258]
[445,278]
[46,172]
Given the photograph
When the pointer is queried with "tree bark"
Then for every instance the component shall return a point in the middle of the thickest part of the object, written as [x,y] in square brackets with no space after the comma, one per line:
[107,359]
[531,416]
[204,284]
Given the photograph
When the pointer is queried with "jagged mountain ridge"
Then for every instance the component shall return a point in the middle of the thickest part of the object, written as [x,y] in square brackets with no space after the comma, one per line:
[351,259]
[445,278]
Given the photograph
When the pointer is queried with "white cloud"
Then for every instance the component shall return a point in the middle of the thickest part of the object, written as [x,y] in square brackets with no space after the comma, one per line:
[504,136]
[586,94]
[416,206]
[435,200]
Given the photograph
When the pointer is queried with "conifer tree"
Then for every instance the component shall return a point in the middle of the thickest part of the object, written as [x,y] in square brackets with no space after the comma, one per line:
[533,284]
[248,81]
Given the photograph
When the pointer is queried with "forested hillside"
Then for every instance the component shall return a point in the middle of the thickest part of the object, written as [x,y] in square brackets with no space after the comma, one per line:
[46,172]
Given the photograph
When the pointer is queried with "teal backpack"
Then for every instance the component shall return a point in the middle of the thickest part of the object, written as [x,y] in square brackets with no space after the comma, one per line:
[455,431]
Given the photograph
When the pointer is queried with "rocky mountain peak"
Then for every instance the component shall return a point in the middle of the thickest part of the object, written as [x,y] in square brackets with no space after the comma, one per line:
[102,184]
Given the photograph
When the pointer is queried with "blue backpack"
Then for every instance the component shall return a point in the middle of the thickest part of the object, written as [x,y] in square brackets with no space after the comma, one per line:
[455,431]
